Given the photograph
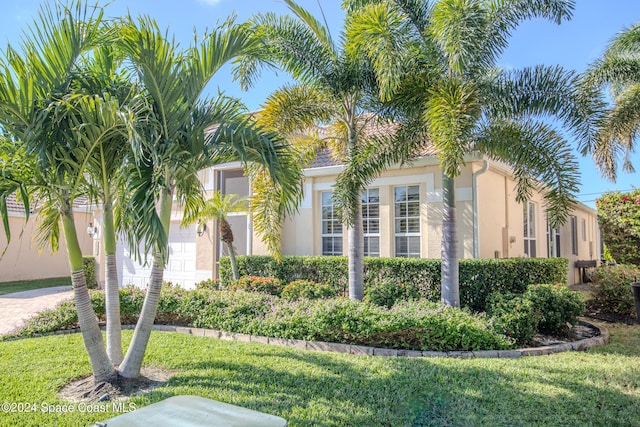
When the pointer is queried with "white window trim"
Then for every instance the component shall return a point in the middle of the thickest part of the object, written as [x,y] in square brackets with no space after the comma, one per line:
[366,190]
[407,234]
[322,221]
[526,238]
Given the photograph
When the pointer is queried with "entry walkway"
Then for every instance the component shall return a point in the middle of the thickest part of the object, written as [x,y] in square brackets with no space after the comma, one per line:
[17,307]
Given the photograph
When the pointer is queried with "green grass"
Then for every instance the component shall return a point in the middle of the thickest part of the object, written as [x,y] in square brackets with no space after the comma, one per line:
[600,387]
[27,285]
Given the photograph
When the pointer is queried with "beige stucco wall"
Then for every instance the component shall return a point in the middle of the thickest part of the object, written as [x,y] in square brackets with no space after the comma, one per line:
[501,223]
[22,259]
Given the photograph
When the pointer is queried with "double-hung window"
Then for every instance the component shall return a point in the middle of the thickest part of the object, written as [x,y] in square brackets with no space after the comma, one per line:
[331,227]
[530,229]
[407,221]
[371,221]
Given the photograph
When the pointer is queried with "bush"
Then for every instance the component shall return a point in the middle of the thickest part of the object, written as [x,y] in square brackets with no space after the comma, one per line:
[558,305]
[212,284]
[89,267]
[612,288]
[308,289]
[386,294]
[619,220]
[418,325]
[266,285]
[515,316]
[479,278]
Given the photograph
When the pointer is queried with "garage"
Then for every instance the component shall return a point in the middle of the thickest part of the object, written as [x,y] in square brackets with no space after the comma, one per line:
[181,268]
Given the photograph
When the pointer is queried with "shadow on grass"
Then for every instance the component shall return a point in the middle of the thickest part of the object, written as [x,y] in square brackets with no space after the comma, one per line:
[309,388]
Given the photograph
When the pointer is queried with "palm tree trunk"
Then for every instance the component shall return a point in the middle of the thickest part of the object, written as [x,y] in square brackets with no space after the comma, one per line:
[112,289]
[132,363]
[103,370]
[356,256]
[449,254]
[356,235]
[234,263]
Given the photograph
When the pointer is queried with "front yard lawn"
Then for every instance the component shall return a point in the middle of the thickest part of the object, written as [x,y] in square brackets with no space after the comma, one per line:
[598,387]
[27,285]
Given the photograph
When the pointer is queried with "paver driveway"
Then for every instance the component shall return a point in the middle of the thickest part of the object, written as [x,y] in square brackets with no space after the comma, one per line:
[16,307]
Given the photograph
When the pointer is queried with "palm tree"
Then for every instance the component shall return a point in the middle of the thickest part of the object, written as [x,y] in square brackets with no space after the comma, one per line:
[334,88]
[182,142]
[119,103]
[218,208]
[618,70]
[436,63]
[48,146]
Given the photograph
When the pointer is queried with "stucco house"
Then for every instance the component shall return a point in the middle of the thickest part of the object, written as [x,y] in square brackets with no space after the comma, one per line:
[24,261]
[402,212]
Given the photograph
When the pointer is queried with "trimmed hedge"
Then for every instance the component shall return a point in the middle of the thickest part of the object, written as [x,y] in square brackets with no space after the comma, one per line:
[89,266]
[479,278]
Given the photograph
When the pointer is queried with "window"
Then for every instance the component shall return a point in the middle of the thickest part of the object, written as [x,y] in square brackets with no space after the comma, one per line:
[583,227]
[407,221]
[371,221]
[331,227]
[574,235]
[553,242]
[530,229]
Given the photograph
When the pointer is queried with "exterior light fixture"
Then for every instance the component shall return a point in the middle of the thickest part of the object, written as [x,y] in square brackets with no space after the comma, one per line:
[201,228]
[91,230]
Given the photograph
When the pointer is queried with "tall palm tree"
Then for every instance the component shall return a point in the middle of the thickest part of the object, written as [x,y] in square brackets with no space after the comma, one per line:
[436,63]
[619,71]
[218,208]
[183,141]
[334,88]
[48,151]
[125,106]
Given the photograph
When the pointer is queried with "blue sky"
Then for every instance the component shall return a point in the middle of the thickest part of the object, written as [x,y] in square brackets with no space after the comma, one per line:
[573,45]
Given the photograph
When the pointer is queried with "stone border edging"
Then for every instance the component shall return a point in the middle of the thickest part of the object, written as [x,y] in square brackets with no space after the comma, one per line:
[579,345]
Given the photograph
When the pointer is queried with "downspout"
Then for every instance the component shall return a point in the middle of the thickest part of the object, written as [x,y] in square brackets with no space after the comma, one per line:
[476,244]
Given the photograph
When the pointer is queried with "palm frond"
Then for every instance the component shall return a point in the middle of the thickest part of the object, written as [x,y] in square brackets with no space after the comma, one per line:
[547,91]
[541,159]
[618,133]
[451,114]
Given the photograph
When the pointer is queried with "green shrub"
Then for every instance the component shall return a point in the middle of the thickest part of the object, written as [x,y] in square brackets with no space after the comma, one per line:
[479,278]
[266,285]
[558,305]
[619,220]
[515,316]
[386,294]
[308,289]
[212,284]
[89,267]
[419,325]
[612,288]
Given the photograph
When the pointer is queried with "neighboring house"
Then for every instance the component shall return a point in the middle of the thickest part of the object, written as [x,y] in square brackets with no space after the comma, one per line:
[402,212]
[22,259]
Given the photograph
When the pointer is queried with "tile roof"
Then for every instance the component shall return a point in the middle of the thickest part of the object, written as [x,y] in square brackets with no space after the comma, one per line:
[373,128]
[15,206]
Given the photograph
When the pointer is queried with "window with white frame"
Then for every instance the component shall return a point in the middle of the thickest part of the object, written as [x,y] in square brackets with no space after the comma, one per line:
[530,229]
[553,241]
[371,221]
[331,227]
[407,221]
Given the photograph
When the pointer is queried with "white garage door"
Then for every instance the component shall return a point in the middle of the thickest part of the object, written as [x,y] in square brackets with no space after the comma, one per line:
[180,269]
